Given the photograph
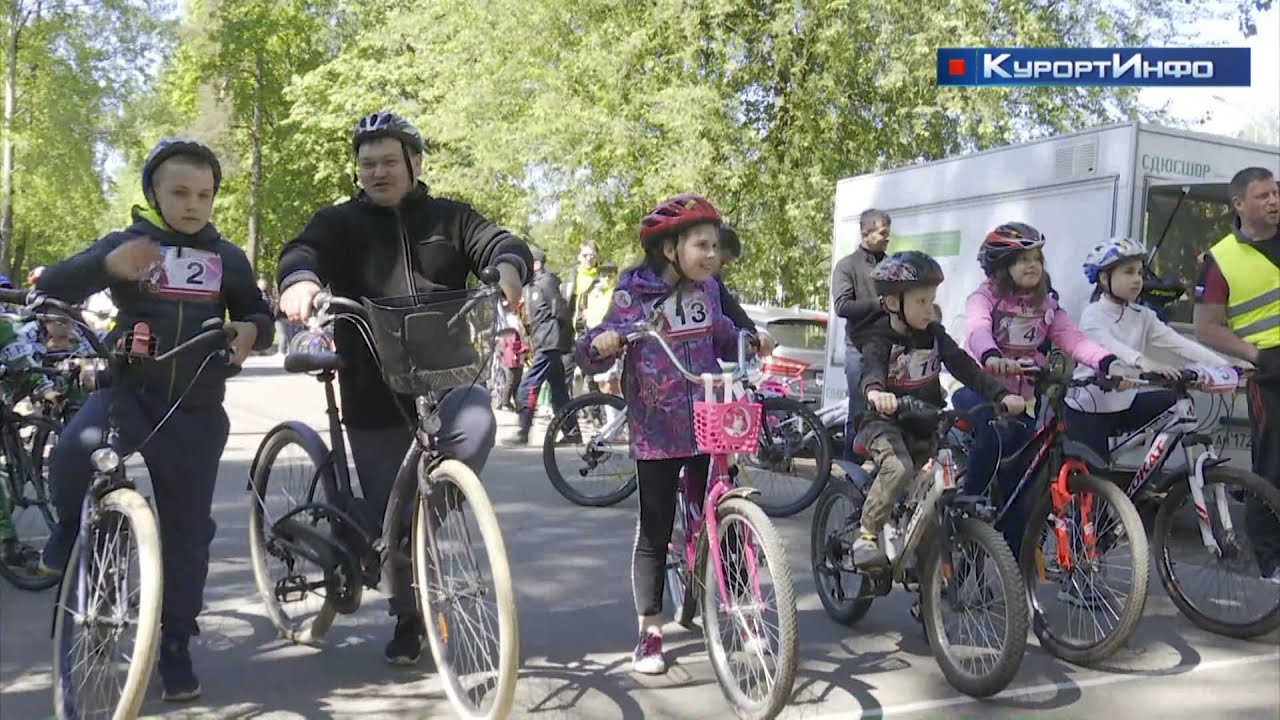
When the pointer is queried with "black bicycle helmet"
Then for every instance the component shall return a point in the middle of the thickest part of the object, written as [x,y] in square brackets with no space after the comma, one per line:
[1002,245]
[729,241]
[387,124]
[907,270]
[173,146]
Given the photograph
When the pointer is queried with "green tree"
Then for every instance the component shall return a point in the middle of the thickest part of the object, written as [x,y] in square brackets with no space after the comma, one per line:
[68,69]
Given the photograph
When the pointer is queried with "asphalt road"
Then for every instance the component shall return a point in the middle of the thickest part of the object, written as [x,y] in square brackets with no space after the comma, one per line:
[571,567]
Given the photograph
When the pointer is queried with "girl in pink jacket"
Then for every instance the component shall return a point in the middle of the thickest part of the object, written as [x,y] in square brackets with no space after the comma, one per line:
[1009,321]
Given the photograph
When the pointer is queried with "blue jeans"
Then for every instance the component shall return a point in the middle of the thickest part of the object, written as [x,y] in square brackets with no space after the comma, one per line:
[857,403]
[991,444]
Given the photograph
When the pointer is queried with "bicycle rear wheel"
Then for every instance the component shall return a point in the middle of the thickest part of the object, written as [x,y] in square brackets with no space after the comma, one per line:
[845,593]
[680,577]
[1057,592]
[1253,505]
[792,460]
[470,612]
[292,587]
[25,497]
[753,629]
[96,605]
[596,470]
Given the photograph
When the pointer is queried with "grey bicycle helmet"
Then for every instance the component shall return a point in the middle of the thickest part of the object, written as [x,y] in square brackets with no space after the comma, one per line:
[173,146]
[386,124]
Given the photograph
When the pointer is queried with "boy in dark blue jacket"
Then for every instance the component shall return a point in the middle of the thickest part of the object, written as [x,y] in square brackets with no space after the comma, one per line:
[173,270]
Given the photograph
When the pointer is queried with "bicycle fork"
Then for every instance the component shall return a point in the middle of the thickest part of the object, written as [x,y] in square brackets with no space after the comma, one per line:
[1059,496]
[1196,481]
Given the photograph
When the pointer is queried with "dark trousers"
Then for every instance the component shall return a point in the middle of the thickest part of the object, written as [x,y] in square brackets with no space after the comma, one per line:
[1097,429]
[1264,430]
[182,459]
[514,376]
[659,482]
[548,367]
[467,430]
[991,443]
[857,403]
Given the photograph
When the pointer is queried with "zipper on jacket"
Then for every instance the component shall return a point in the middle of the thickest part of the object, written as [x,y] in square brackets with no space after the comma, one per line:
[410,288]
[173,364]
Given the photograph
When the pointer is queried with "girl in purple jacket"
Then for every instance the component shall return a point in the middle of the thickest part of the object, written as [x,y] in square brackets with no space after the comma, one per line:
[1008,321]
[676,276]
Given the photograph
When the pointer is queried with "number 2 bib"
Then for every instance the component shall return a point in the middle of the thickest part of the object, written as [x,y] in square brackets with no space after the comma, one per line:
[687,315]
[185,273]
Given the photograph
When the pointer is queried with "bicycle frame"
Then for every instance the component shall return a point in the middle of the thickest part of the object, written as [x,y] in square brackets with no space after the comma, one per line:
[720,485]
[1173,427]
[1050,454]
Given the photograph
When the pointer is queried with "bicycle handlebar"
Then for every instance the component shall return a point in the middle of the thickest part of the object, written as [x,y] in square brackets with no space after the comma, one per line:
[34,302]
[645,329]
[324,300]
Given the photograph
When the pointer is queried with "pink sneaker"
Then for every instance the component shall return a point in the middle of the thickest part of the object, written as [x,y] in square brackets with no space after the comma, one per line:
[647,657]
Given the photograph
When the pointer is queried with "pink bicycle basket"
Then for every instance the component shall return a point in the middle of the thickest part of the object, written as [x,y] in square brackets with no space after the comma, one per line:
[721,428]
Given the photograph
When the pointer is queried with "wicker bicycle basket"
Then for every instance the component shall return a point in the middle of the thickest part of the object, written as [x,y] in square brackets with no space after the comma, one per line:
[417,350]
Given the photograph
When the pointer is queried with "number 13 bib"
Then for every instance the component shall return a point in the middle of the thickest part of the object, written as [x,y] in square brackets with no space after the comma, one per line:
[185,273]
[687,315]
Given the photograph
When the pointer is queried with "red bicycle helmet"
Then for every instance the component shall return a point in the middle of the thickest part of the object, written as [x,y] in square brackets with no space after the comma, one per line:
[675,214]
[1003,244]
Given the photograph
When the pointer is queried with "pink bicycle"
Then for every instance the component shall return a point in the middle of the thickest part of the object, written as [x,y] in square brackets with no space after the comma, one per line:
[748,604]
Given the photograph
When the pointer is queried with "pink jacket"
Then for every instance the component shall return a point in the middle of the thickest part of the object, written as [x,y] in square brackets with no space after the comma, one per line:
[1011,327]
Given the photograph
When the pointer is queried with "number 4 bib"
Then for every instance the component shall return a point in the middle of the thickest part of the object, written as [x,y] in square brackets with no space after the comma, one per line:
[185,273]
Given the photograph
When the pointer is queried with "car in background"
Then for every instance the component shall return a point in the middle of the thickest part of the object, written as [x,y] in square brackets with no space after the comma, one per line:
[800,344]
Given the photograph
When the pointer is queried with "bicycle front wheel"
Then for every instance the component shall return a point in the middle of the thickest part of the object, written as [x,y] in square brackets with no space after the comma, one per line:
[112,585]
[750,629]
[592,467]
[1087,596]
[469,609]
[980,654]
[1234,592]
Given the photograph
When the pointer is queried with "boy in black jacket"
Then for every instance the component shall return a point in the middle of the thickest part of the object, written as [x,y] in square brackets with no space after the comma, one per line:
[903,352]
[172,270]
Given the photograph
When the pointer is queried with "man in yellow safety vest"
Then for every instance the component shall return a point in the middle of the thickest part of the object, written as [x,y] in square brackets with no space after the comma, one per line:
[1237,312]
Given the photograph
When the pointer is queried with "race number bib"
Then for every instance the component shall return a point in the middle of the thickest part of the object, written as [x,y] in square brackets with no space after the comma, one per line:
[686,315]
[909,369]
[1021,332]
[185,273]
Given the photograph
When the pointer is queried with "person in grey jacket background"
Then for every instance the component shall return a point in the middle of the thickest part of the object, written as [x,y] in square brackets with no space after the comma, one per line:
[855,299]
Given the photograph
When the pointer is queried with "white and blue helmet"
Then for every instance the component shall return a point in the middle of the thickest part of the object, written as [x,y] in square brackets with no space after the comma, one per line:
[1110,253]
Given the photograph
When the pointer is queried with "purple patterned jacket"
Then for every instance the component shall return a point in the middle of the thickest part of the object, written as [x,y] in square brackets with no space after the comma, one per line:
[659,399]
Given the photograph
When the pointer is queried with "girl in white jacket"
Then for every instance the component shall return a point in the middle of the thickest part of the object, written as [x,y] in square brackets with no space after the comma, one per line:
[1131,331]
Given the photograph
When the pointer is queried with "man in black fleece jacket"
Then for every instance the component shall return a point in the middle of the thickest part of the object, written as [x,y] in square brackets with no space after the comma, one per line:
[393,239]
[172,270]
[855,299]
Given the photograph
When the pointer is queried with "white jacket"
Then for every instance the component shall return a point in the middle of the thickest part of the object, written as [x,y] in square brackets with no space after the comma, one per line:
[1131,331]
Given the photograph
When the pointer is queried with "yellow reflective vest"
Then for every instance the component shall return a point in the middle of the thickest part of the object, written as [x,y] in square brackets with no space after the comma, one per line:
[1253,309]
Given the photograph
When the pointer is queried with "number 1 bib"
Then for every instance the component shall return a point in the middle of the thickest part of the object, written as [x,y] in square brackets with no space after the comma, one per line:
[185,273]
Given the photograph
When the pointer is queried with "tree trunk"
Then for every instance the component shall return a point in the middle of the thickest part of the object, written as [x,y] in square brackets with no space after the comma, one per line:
[255,166]
[6,143]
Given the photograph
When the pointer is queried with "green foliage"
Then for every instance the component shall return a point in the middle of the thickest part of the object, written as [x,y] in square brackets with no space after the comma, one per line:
[567,120]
